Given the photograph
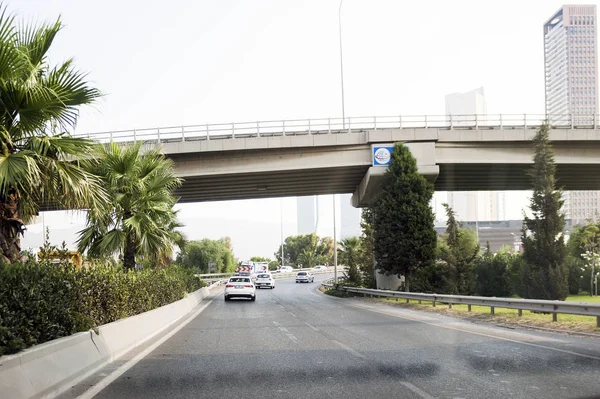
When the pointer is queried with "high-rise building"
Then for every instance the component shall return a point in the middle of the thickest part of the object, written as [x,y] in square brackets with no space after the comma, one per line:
[476,205]
[571,83]
[306,211]
[350,218]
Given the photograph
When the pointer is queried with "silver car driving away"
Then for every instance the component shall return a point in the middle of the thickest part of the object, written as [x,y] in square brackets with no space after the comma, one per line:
[305,277]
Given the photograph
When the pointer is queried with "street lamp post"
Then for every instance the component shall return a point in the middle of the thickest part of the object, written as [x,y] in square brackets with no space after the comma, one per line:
[281,222]
[342,64]
[334,244]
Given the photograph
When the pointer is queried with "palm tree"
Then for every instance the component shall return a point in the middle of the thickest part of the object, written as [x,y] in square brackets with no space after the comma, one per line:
[38,108]
[309,257]
[141,220]
[349,254]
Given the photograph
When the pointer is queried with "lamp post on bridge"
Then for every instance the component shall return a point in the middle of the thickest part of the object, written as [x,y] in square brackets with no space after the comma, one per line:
[342,64]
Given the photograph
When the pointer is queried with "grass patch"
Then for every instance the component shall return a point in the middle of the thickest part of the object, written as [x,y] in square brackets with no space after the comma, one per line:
[583,298]
[506,316]
[336,293]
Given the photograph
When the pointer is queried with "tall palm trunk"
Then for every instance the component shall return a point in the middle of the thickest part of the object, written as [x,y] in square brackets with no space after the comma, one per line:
[11,227]
[129,250]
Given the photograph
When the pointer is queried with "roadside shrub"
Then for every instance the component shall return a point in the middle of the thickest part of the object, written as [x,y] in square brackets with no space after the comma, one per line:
[41,301]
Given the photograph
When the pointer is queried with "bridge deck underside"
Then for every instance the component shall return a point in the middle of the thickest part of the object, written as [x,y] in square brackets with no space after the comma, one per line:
[271,184]
[506,177]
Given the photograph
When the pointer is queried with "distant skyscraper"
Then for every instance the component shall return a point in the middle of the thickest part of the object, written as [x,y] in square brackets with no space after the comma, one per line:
[475,205]
[571,78]
[350,218]
[306,210]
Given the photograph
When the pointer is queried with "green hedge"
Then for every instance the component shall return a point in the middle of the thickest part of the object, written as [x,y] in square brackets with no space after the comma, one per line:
[40,302]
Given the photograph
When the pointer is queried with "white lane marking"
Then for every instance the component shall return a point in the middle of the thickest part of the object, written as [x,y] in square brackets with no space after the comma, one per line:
[282,307]
[476,333]
[292,314]
[283,329]
[93,391]
[349,349]
[416,390]
[292,337]
[276,323]
[311,326]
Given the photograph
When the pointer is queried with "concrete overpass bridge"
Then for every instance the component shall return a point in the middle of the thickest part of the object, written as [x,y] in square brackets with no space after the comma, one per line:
[327,156]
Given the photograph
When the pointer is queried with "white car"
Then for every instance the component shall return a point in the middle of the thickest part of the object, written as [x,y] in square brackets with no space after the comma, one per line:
[286,269]
[240,287]
[265,280]
[319,268]
[305,277]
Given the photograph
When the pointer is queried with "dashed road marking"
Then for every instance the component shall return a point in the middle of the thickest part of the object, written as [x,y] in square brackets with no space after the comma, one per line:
[349,349]
[311,326]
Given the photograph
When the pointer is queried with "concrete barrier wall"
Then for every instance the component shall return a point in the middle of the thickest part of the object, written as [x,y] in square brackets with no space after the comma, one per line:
[46,370]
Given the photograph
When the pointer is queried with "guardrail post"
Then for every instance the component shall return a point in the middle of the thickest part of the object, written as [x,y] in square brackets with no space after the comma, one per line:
[283,124]
[451,124]
[500,121]
[407,300]
[469,308]
[111,136]
[434,302]
[476,122]
[492,310]
[158,133]
[426,123]
[598,321]
[329,125]
[450,305]
[420,302]
[400,119]
[349,124]
[233,130]
[525,121]
[207,134]
[134,136]
[520,312]
[554,317]
[258,129]
[375,122]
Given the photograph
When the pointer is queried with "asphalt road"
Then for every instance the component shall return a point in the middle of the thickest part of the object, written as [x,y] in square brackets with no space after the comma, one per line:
[295,342]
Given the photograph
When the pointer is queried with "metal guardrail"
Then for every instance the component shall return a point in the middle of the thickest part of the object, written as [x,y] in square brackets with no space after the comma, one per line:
[535,305]
[218,131]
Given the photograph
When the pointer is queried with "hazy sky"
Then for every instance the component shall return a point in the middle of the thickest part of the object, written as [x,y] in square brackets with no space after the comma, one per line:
[192,62]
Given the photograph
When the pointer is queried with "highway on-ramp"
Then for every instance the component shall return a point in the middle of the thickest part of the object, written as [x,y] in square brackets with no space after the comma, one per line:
[295,342]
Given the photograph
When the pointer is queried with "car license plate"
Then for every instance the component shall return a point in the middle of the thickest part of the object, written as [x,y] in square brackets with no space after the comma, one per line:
[239,286]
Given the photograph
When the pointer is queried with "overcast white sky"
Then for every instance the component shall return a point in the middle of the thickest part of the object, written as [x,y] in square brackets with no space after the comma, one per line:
[192,62]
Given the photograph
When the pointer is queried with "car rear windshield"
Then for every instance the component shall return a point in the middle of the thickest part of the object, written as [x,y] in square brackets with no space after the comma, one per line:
[301,273]
[263,276]
[239,280]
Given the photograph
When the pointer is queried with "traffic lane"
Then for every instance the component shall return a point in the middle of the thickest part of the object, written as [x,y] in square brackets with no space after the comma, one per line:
[244,349]
[471,359]
[483,358]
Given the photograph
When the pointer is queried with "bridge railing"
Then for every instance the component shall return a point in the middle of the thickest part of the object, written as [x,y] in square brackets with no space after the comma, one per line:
[293,127]
[535,305]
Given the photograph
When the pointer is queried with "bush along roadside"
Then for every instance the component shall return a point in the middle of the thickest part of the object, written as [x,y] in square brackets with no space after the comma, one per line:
[40,302]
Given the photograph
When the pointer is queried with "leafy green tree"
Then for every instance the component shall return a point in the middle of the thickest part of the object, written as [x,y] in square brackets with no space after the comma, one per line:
[405,239]
[309,257]
[198,254]
[366,254]
[38,108]
[259,259]
[492,271]
[459,249]
[349,252]
[320,250]
[545,272]
[141,218]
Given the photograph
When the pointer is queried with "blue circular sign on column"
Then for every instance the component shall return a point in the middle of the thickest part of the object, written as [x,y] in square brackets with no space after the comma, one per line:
[382,156]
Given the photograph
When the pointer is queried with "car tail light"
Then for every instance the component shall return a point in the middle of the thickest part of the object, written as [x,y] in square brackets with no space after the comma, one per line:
[248,286]
[229,286]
